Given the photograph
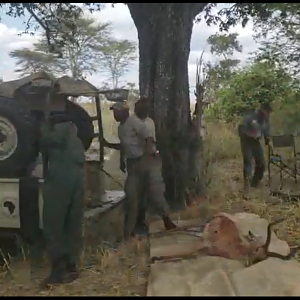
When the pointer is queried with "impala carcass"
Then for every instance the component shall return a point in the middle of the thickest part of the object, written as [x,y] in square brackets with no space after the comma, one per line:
[221,237]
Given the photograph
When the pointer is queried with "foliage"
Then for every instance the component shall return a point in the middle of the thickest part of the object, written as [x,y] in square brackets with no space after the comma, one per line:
[164,31]
[28,61]
[224,44]
[280,38]
[218,73]
[133,92]
[257,83]
[79,58]
[115,58]
[58,19]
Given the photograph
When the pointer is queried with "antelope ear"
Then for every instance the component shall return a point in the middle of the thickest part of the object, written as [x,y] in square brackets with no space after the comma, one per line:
[251,235]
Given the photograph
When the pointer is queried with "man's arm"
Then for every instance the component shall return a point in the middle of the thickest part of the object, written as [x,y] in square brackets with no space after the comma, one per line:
[145,132]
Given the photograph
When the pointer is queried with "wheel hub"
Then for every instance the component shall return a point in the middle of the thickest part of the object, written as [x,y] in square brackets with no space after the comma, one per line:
[8,138]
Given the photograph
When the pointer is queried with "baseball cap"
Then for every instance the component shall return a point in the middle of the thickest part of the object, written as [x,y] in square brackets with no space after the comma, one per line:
[119,106]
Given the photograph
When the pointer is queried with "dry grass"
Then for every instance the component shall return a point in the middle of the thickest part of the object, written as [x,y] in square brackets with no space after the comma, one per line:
[124,271]
[105,271]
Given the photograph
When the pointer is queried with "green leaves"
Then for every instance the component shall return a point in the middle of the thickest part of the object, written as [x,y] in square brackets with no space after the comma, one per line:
[79,56]
[224,44]
[91,49]
[115,58]
[257,83]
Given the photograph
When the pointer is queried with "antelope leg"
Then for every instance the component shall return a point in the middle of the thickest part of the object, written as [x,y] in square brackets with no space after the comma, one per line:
[171,258]
[183,252]
[180,229]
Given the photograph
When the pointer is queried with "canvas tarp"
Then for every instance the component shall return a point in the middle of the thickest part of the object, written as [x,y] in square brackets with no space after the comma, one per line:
[66,85]
[217,276]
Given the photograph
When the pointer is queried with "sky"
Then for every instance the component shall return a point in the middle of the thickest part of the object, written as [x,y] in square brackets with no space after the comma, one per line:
[123,28]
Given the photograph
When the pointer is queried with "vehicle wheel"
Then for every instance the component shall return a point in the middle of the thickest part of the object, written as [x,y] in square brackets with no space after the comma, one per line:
[83,122]
[16,137]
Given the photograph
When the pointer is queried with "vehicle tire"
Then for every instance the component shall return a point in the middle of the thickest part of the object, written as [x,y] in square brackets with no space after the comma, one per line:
[83,122]
[17,151]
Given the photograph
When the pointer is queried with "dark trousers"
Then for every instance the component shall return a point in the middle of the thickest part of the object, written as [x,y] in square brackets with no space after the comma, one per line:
[144,185]
[252,149]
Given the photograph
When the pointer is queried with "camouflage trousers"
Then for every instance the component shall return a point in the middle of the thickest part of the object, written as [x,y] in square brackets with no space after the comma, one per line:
[252,149]
[143,183]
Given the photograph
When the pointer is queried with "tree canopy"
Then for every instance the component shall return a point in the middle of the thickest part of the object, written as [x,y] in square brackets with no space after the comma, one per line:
[93,49]
[164,33]
[58,19]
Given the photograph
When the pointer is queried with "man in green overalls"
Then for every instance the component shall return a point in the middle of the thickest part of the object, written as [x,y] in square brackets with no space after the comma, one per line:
[63,193]
[254,126]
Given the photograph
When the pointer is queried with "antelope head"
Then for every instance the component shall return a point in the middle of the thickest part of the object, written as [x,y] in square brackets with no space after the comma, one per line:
[259,250]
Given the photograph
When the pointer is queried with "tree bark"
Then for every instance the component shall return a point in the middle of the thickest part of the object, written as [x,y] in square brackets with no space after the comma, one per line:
[164,33]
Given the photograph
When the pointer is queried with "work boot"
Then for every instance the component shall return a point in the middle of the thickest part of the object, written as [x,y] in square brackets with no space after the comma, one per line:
[71,269]
[57,274]
[168,223]
[141,228]
[257,177]
[254,183]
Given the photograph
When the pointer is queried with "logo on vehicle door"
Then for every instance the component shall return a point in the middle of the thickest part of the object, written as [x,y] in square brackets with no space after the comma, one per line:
[9,206]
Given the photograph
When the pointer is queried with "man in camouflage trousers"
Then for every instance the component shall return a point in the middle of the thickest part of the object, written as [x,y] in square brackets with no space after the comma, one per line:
[137,142]
[254,126]
[63,192]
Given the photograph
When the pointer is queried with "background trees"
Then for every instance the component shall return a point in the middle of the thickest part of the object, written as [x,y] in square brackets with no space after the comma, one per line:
[164,31]
[92,49]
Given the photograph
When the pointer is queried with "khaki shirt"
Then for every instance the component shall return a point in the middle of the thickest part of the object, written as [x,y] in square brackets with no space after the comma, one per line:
[133,134]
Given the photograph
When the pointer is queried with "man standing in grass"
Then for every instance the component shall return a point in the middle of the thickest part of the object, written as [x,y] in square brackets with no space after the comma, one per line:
[137,143]
[254,126]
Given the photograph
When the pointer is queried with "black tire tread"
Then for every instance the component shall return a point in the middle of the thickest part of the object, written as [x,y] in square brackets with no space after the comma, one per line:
[83,122]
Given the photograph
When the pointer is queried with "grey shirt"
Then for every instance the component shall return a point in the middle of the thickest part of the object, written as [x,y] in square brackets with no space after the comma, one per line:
[255,125]
[133,134]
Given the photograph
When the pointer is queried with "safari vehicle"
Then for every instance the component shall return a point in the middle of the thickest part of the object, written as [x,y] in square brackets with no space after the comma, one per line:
[21,102]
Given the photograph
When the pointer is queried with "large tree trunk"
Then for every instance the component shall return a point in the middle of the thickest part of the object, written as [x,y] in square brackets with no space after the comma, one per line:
[164,33]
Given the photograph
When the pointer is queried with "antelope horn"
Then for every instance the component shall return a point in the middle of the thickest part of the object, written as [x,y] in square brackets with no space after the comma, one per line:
[269,233]
[284,257]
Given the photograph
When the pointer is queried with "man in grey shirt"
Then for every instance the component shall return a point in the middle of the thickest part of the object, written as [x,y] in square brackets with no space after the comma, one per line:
[137,143]
[254,126]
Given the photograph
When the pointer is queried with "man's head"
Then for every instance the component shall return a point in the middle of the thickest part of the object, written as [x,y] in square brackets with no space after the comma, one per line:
[265,109]
[142,107]
[120,110]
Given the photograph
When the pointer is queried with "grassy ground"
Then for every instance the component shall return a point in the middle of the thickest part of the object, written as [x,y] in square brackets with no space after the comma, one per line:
[123,272]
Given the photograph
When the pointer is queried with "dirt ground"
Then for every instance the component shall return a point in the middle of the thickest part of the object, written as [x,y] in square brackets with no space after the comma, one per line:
[123,271]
